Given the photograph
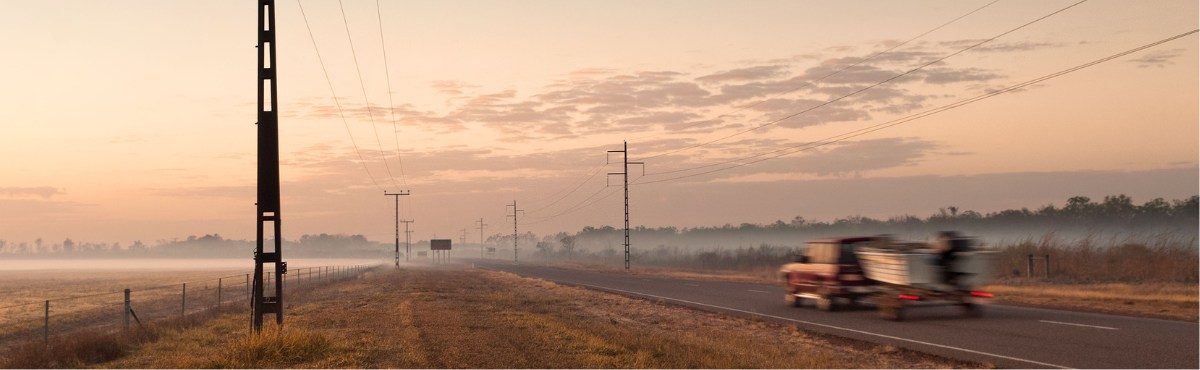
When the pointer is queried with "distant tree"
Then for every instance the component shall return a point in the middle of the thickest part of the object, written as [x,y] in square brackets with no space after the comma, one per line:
[68,246]
[568,245]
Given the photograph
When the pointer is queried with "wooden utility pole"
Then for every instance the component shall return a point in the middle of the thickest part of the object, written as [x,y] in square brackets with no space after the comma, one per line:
[397,196]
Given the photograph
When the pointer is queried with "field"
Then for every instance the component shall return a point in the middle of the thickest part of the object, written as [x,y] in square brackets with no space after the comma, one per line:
[419,318]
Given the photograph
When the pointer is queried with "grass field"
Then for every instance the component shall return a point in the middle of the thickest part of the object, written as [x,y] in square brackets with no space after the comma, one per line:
[459,318]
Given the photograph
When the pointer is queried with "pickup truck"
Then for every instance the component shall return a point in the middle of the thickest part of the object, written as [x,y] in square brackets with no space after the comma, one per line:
[828,272]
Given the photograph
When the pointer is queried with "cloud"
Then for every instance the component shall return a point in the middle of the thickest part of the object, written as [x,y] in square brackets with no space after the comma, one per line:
[450,87]
[850,158]
[999,47]
[745,74]
[602,100]
[44,192]
[1158,58]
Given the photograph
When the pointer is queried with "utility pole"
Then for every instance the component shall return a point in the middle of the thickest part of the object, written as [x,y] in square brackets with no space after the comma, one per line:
[397,196]
[481,226]
[407,237]
[514,217]
[625,173]
[268,173]
[463,239]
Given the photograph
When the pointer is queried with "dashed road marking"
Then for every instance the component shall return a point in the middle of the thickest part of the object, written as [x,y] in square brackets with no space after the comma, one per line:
[1074,324]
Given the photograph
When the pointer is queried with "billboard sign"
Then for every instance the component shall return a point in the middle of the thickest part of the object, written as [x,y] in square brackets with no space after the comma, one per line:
[439,244]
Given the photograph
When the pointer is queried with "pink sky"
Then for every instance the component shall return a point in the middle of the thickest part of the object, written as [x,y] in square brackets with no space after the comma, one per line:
[133,120]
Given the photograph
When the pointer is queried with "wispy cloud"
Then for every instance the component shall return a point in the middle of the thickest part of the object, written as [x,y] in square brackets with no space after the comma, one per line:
[1158,58]
[44,192]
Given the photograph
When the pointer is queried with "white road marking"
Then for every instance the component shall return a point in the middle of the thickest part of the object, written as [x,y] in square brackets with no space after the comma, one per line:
[688,284]
[757,291]
[1074,324]
[814,324]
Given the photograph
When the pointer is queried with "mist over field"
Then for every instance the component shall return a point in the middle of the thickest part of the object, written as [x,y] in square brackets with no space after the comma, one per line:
[1113,221]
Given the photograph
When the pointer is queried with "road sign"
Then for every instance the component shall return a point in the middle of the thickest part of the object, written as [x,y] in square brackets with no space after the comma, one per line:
[439,244]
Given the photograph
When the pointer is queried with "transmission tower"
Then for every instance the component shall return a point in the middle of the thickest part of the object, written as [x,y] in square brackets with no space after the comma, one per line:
[268,173]
[514,217]
[397,196]
[625,174]
[480,227]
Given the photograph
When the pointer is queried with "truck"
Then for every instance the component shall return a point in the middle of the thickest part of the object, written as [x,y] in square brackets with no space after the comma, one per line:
[893,275]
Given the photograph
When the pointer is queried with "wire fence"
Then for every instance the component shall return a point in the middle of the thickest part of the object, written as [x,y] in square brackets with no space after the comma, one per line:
[116,311]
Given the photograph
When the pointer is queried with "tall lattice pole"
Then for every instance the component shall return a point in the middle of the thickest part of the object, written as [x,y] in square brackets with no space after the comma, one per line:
[514,217]
[625,174]
[397,196]
[268,172]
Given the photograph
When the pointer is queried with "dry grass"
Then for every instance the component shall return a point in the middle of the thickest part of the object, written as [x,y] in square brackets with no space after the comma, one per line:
[1176,301]
[482,319]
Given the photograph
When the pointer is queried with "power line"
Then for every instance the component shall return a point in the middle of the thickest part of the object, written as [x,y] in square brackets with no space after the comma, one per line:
[585,180]
[366,99]
[842,137]
[856,92]
[834,73]
[333,93]
[391,105]
[578,206]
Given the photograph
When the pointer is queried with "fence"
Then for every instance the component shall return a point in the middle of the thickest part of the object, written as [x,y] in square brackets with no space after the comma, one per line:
[116,311]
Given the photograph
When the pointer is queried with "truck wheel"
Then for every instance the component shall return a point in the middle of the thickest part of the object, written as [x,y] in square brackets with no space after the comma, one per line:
[797,301]
[825,303]
[971,310]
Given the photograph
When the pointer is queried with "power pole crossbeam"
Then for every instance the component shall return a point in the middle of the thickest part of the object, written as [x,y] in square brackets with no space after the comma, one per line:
[625,174]
[268,174]
[397,196]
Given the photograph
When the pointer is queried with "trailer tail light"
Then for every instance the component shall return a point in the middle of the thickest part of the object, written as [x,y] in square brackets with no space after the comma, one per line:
[981,294]
[910,297]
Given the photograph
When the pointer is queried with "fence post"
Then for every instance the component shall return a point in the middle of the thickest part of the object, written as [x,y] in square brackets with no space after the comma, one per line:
[127,308]
[1029,266]
[219,292]
[183,304]
[1047,266]
[46,328]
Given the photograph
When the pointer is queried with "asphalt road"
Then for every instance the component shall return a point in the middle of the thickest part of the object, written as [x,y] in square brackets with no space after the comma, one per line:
[1007,336]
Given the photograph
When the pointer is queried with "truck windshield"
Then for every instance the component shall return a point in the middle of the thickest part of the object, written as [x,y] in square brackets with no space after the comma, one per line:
[847,255]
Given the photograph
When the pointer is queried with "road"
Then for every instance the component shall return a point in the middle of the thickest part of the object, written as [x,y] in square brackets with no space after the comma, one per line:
[1007,336]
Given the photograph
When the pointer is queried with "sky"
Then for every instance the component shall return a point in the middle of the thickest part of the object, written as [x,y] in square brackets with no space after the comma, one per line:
[134,120]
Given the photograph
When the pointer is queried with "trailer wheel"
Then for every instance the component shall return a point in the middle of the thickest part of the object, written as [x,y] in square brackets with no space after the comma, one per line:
[825,303]
[891,309]
[971,310]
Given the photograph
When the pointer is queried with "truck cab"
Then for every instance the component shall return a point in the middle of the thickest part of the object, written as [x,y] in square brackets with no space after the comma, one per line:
[828,272]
